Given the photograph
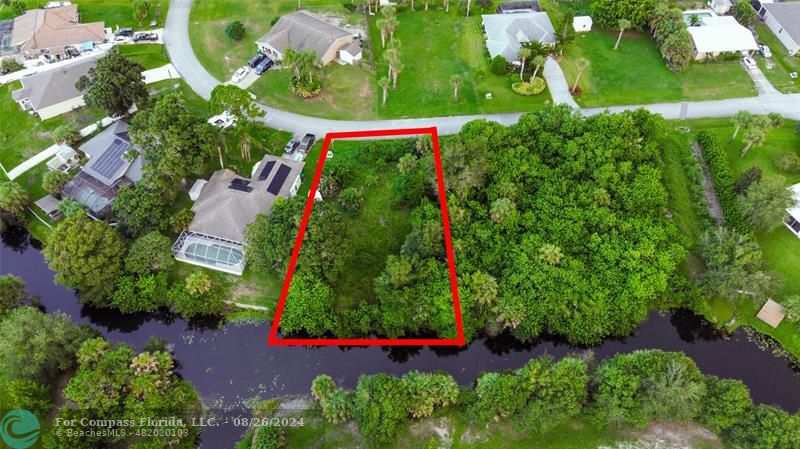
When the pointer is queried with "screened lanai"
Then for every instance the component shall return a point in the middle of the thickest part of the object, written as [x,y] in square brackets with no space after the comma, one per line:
[210,252]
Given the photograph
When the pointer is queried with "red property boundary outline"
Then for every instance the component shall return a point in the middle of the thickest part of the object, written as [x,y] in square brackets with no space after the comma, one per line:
[329,137]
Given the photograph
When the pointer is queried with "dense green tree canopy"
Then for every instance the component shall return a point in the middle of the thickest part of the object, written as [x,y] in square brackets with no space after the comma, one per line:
[114,84]
[38,346]
[85,254]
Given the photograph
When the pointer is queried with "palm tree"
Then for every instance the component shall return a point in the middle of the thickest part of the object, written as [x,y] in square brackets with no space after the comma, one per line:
[753,136]
[623,24]
[382,26]
[244,148]
[447,5]
[392,55]
[550,254]
[427,2]
[741,118]
[384,83]
[538,62]
[694,20]
[290,58]
[391,24]
[469,3]
[456,81]
[524,54]
[581,65]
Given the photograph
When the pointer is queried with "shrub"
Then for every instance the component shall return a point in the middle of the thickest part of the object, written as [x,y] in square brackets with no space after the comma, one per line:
[235,30]
[351,199]
[54,181]
[10,65]
[304,88]
[721,175]
[751,175]
[499,65]
[350,7]
[532,88]
[787,161]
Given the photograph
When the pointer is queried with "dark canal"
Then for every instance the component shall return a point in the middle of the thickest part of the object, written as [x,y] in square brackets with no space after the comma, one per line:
[232,364]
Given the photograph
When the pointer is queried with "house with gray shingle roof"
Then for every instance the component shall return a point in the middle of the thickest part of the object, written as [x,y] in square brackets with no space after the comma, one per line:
[784,20]
[505,33]
[53,92]
[226,204]
[114,162]
[302,31]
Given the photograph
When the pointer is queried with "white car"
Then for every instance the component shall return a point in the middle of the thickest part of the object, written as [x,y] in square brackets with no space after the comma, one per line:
[223,121]
[240,74]
[749,62]
[765,51]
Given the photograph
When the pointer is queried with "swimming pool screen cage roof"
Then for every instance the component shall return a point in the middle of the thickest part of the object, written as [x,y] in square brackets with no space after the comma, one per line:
[209,251]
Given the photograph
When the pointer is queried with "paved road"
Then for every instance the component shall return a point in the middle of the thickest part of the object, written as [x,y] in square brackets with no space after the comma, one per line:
[176,37]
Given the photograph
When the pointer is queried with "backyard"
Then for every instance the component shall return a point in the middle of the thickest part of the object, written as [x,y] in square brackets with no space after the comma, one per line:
[781,64]
[637,74]
[781,249]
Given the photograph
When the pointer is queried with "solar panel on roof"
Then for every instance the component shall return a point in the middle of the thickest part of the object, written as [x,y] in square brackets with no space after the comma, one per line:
[111,160]
[266,171]
[279,179]
[241,185]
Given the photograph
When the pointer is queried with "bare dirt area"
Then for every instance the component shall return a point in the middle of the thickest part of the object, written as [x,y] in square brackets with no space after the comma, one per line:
[670,436]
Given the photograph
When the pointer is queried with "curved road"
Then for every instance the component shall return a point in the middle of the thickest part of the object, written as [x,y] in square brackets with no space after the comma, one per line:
[176,39]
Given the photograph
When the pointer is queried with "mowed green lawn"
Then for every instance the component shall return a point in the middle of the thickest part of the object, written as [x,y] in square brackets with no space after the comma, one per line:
[22,135]
[348,93]
[151,56]
[435,45]
[782,63]
[115,13]
[637,74]
[220,55]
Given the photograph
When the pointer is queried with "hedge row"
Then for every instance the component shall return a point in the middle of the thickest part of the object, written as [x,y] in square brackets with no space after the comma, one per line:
[724,180]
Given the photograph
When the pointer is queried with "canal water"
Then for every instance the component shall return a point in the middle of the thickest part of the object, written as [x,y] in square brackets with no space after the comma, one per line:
[232,364]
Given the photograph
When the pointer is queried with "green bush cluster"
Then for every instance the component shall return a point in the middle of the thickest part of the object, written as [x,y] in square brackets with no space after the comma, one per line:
[534,87]
[498,65]
[724,180]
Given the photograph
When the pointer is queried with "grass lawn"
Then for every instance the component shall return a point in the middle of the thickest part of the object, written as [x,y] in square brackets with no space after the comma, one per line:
[220,55]
[23,135]
[636,73]
[347,93]
[151,56]
[435,46]
[782,63]
[375,231]
[115,13]
[194,102]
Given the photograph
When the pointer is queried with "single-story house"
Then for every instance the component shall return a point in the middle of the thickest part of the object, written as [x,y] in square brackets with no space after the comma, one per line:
[109,168]
[582,24]
[505,33]
[53,92]
[792,220]
[226,204]
[302,31]
[720,6]
[716,35]
[517,7]
[50,31]
[784,20]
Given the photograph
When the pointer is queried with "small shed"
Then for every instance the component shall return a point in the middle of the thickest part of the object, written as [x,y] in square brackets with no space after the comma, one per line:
[772,313]
[350,53]
[49,205]
[582,24]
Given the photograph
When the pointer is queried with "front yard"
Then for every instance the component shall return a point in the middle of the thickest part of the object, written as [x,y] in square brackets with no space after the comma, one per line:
[220,55]
[115,13]
[637,74]
[151,56]
[781,64]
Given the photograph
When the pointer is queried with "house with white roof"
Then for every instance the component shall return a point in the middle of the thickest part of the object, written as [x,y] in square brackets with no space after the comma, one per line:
[792,220]
[717,35]
[505,33]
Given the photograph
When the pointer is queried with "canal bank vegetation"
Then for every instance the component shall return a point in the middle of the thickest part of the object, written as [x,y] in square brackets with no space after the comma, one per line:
[575,402]
[558,227]
[745,255]
[64,373]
